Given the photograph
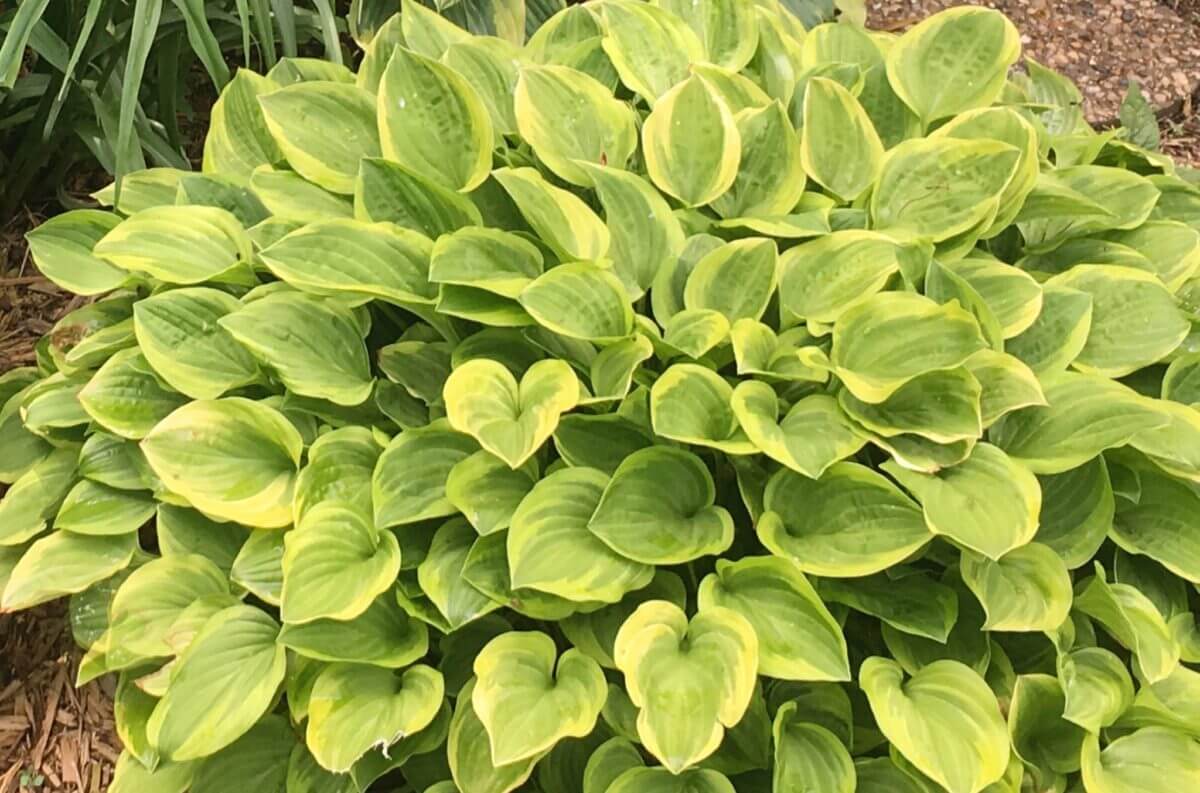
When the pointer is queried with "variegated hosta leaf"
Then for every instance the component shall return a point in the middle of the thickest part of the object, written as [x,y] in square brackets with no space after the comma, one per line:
[658,509]
[62,250]
[355,708]
[371,260]
[469,753]
[432,121]
[509,419]
[954,61]
[323,129]
[1027,589]
[567,116]
[691,143]
[63,563]
[221,685]
[313,345]
[581,300]
[689,679]
[179,334]
[1040,736]
[692,404]
[409,482]
[841,150]
[335,563]
[528,701]
[988,503]
[1097,687]
[178,245]
[736,279]
[383,635]
[850,522]
[34,498]
[561,219]
[798,639]
[1153,758]
[1131,618]
[662,780]
[238,138]
[551,549]
[808,756]
[650,46]
[946,699]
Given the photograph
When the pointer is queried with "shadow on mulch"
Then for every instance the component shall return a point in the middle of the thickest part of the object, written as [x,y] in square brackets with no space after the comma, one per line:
[54,738]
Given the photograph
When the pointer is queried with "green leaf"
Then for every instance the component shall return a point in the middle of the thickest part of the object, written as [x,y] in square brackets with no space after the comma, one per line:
[62,250]
[149,604]
[645,236]
[840,150]
[1151,759]
[943,406]
[528,701]
[63,563]
[221,686]
[388,191]
[770,177]
[259,758]
[690,680]
[1097,687]
[850,522]
[736,279]
[179,335]
[581,300]
[1138,118]
[650,47]
[487,491]
[432,121]
[1040,736]
[726,28]
[314,346]
[560,218]
[948,699]
[608,762]
[259,566]
[550,548]
[691,143]
[567,116]
[1086,414]
[798,639]
[177,244]
[912,603]
[383,635]
[355,708]
[232,458]
[691,404]
[442,577]
[498,261]
[356,258]
[989,503]
[238,139]
[1135,321]
[508,419]
[1132,619]
[98,510]
[1162,524]
[663,780]
[492,66]
[470,757]
[940,187]
[335,563]
[293,199]
[658,509]
[954,61]
[409,483]
[808,756]
[1058,334]
[323,129]
[1027,589]
[888,339]
[820,280]
[27,506]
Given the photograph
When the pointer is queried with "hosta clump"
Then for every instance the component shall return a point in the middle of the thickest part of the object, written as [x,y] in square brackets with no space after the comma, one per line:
[679,400]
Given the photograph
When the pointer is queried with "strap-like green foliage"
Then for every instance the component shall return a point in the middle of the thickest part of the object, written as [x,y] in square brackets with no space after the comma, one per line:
[681,401]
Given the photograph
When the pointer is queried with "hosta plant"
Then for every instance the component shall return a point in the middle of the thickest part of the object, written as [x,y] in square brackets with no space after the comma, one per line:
[681,401]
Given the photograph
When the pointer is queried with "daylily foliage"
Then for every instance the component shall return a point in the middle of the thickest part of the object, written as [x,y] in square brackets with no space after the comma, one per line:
[676,400]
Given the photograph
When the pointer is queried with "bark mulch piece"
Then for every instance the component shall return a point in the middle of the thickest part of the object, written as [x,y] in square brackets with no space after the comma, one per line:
[54,738]
[29,304]
[1100,44]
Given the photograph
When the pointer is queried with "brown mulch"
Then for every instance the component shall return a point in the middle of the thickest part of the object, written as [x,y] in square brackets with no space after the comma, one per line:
[29,304]
[54,738]
[1100,44]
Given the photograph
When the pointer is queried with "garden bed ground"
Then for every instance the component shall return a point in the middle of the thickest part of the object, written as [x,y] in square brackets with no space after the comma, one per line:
[62,739]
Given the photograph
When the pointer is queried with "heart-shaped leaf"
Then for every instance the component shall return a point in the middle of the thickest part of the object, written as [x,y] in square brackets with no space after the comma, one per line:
[658,509]
[690,680]
[510,420]
[528,701]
